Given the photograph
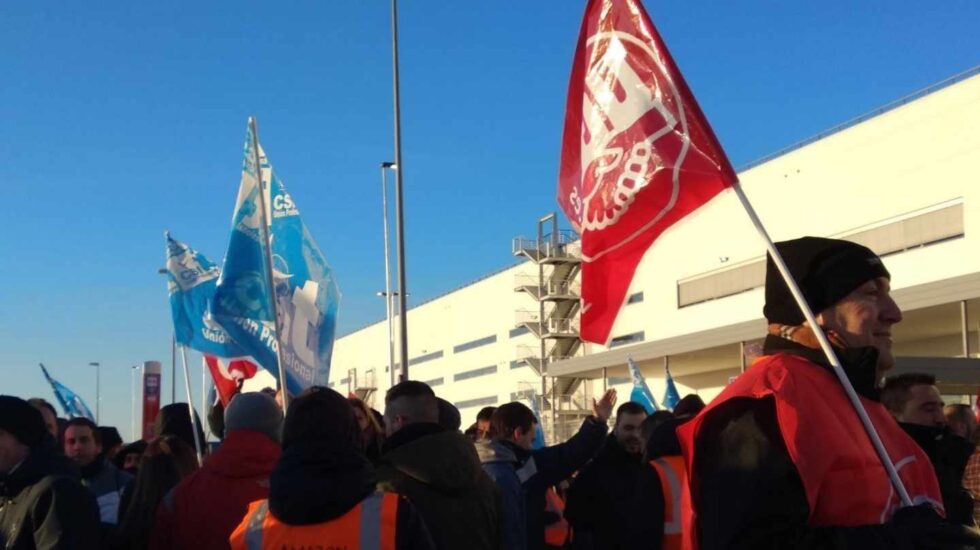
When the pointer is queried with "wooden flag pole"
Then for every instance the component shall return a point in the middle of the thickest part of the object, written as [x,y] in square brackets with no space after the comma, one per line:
[195,421]
[270,279]
[827,349]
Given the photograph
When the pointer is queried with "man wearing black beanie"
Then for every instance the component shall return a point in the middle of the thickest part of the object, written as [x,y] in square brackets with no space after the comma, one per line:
[41,504]
[780,459]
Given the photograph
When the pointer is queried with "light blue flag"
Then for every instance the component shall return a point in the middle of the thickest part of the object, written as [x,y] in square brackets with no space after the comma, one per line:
[71,403]
[671,397]
[191,282]
[538,442]
[641,392]
[305,290]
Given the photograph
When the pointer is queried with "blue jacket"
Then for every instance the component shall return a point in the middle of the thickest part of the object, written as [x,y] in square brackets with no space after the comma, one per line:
[500,463]
[536,471]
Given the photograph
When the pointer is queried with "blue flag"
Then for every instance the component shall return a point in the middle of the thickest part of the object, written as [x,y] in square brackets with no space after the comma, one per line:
[671,397]
[70,402]
[538,442]
[306,293]
[191,282]
[641,392]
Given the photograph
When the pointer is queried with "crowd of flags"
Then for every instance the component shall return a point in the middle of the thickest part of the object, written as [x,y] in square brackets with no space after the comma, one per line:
[273,304]
[243,315]
[637,156]
[641,392]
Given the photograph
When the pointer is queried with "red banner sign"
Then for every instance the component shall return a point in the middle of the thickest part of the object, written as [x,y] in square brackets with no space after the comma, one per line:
[151,398]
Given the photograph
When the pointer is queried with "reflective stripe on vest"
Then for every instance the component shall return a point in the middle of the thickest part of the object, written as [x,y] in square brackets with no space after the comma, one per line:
[673,480]
[253,533]
[374,517]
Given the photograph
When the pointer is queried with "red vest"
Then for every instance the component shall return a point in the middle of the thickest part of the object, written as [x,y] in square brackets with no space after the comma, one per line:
[844,481]
[368,526]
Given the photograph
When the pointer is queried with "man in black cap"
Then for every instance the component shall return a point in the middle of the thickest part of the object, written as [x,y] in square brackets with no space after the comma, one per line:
[41,504]
[780,458]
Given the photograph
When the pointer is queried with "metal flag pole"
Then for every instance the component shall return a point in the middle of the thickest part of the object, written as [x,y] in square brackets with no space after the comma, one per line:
[270,279]
[399,217]
[98,389]
[388,296]
[173,367]
[827,349]
[204,400]
[195,421]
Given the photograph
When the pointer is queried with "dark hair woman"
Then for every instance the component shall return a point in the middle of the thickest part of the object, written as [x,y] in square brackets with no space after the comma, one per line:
[372,434]
[165,462]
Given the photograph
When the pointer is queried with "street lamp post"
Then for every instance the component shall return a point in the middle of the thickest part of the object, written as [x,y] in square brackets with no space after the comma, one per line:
[173,355]
[392,313]
[387,292]
[399,217]
[98,389]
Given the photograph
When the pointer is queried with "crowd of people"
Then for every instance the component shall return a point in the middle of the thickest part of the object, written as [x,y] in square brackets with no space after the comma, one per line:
[780,459]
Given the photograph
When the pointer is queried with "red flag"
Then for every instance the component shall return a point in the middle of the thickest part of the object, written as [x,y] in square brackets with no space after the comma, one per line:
[228,374]
[976,407]
[637,153]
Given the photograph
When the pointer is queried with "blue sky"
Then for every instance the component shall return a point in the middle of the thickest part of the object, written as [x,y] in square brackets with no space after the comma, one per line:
[120,120]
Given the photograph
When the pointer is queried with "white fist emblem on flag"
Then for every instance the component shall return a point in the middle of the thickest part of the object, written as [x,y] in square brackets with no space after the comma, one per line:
[623,115]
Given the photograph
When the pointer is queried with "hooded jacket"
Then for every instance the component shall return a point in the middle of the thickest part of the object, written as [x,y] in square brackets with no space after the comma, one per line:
[439,471]
[315,482]
[42,505]
[600,496]
[206,506]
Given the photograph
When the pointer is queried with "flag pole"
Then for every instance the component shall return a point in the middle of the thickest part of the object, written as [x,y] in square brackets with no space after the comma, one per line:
[825,346]
[204,400]
[267,238]
[195,422]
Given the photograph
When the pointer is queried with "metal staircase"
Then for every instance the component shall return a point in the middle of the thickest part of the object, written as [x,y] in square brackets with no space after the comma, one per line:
[554,321]
[364,387]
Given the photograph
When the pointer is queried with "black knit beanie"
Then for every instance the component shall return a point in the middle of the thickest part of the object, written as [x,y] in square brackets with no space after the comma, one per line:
[175,419]
[322,415]
[21,420]
[826,270]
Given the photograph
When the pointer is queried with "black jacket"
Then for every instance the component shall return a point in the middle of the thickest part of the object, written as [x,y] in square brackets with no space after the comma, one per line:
[949,454]
[645,517]
[601,496]
[749,494]
[439,471]
[317,482]
[43,505]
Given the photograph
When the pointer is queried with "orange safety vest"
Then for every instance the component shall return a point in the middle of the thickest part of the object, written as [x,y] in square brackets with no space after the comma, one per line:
[368,526]
[673,479]
[555,534]
[844,481]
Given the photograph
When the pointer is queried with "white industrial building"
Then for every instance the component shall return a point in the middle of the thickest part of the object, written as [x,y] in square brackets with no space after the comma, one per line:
[904,181]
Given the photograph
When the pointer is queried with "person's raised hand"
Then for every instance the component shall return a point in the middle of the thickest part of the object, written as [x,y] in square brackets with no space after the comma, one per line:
[603,408]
